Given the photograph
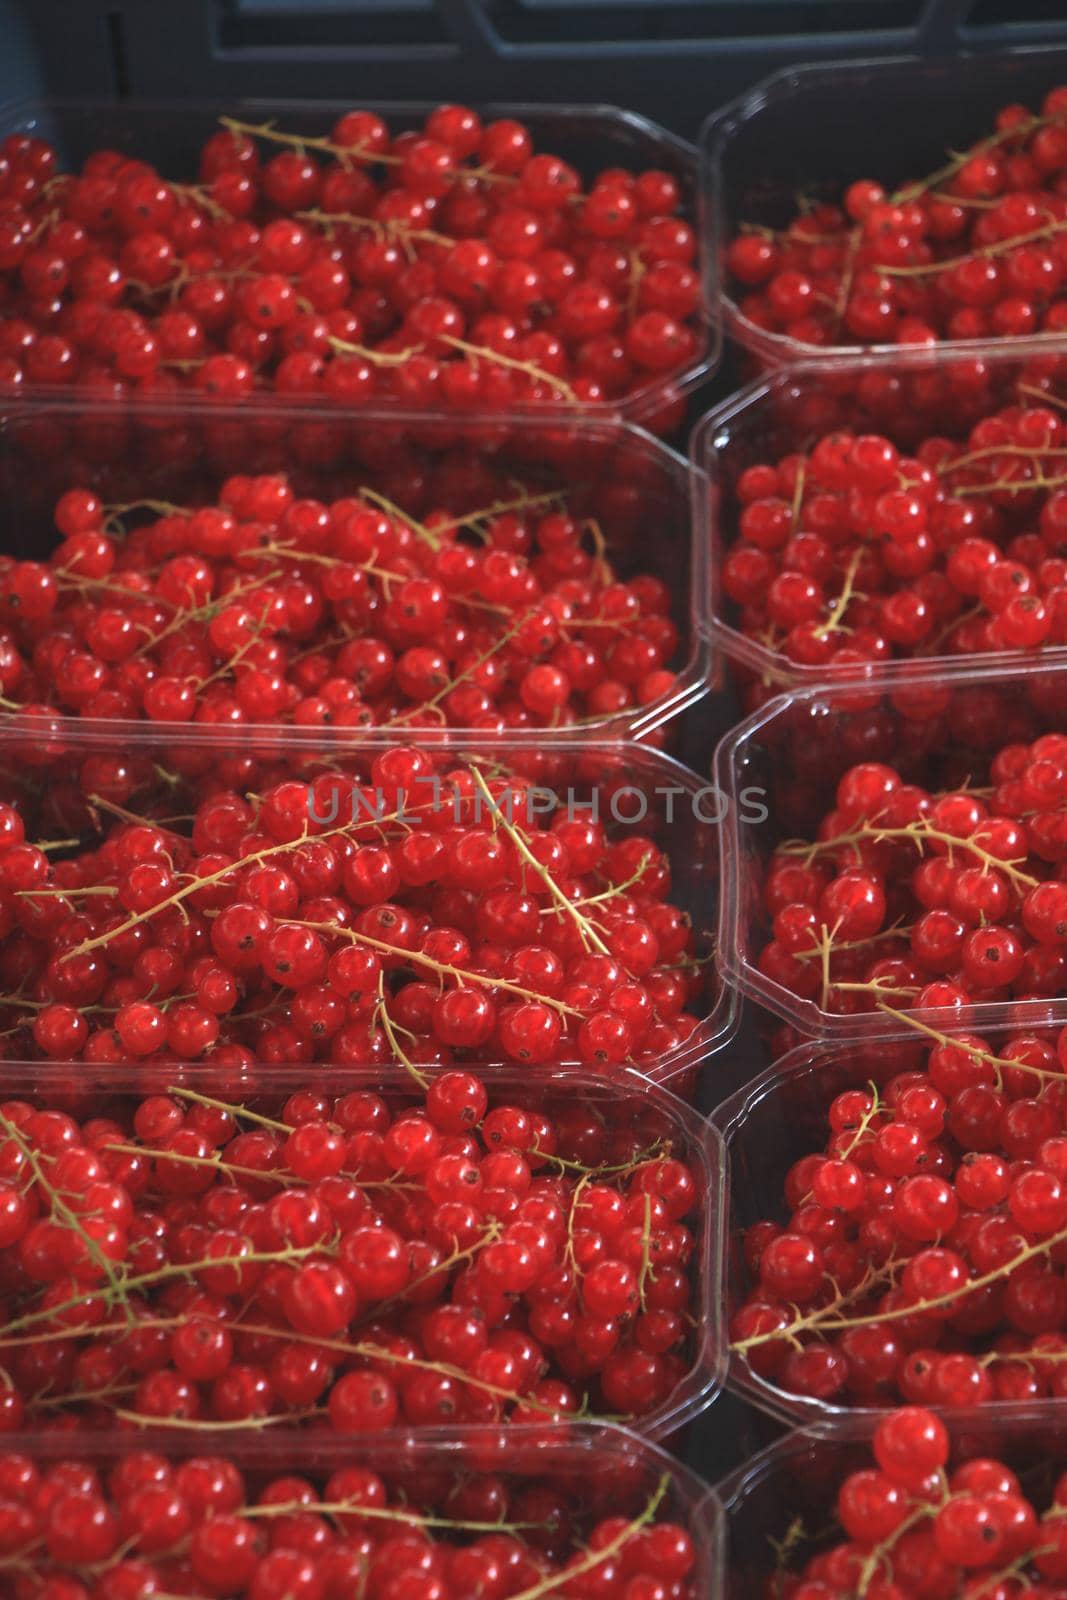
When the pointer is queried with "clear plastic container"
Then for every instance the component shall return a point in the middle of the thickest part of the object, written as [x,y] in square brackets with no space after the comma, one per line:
[590,137]
[811,130]
[596,1471]
[627,1103]
[777,773]
[907,395]
[780,1117]
[633,488]
[786,1495]
[57,771]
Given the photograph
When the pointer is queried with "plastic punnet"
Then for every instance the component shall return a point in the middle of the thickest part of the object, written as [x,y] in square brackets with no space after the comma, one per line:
[905,394]
[812,130]
[781,1116]
[594,1472]
[626,1103]
[633,491]
[777,773]
[590,137]
[780,1507]
[74,775]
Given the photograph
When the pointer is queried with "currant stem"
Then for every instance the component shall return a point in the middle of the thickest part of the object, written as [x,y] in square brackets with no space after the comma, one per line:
[876,1556]
[199,196]
[180,895]
[998,248]
[484,353]
[391,509]
[992,452]
[501,508]
[211,1425]
[356,1508]
[586,931]
[817,1320]
[898,930]
[864,1123]
[1037,393]
[605,895]
[61,1209]
[646,1271]
[212,1104]
[162,508]
[916,832]
[835,620]
[377,358]
[596,1558]
[472,667]
[460,976]
[798,495]
[491,1234]
[1000,1064]
[299,142]
[32,1319]
[204,613]
[959,160]
[381,1012]
[1011,486]
[216,1163]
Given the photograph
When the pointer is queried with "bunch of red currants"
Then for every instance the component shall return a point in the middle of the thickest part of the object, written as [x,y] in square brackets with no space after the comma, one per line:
[451,265]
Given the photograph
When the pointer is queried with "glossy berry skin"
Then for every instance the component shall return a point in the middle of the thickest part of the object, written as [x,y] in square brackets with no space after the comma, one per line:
[350,1262]
[264,605]
[210,1526]
[833,567]
[347,919]
[937,1187]
[915,267]
[953,1531]
[917,898]
[429,271]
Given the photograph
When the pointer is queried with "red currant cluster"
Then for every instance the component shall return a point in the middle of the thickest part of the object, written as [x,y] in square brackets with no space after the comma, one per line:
[427,1259]
[202,1526]
[449,265]
[974,250]
[852,553]
[265,607]
[915,1530]
[924,1248]
[427,914]
[927,899]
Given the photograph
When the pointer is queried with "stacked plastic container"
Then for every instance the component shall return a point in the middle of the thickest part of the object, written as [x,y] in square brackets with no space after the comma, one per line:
[520,1497]
[539,1468]
[797,140]
[517,1495]
[804,134]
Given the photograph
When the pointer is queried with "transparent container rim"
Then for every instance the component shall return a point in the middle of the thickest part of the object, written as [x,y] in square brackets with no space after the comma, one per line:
[640,402]
[331,106]
[707,1040]
[703,1142]
[1006,1418]
[773,666]
[738,972]
[777,348]
[802,1411]
[272,1447]
[717,1025]
[808,1057]
[690,1500]
[693,680]
[281,1447]
[715,134]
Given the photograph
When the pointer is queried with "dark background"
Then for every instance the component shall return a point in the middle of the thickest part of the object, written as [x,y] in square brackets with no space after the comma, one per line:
[676,60]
